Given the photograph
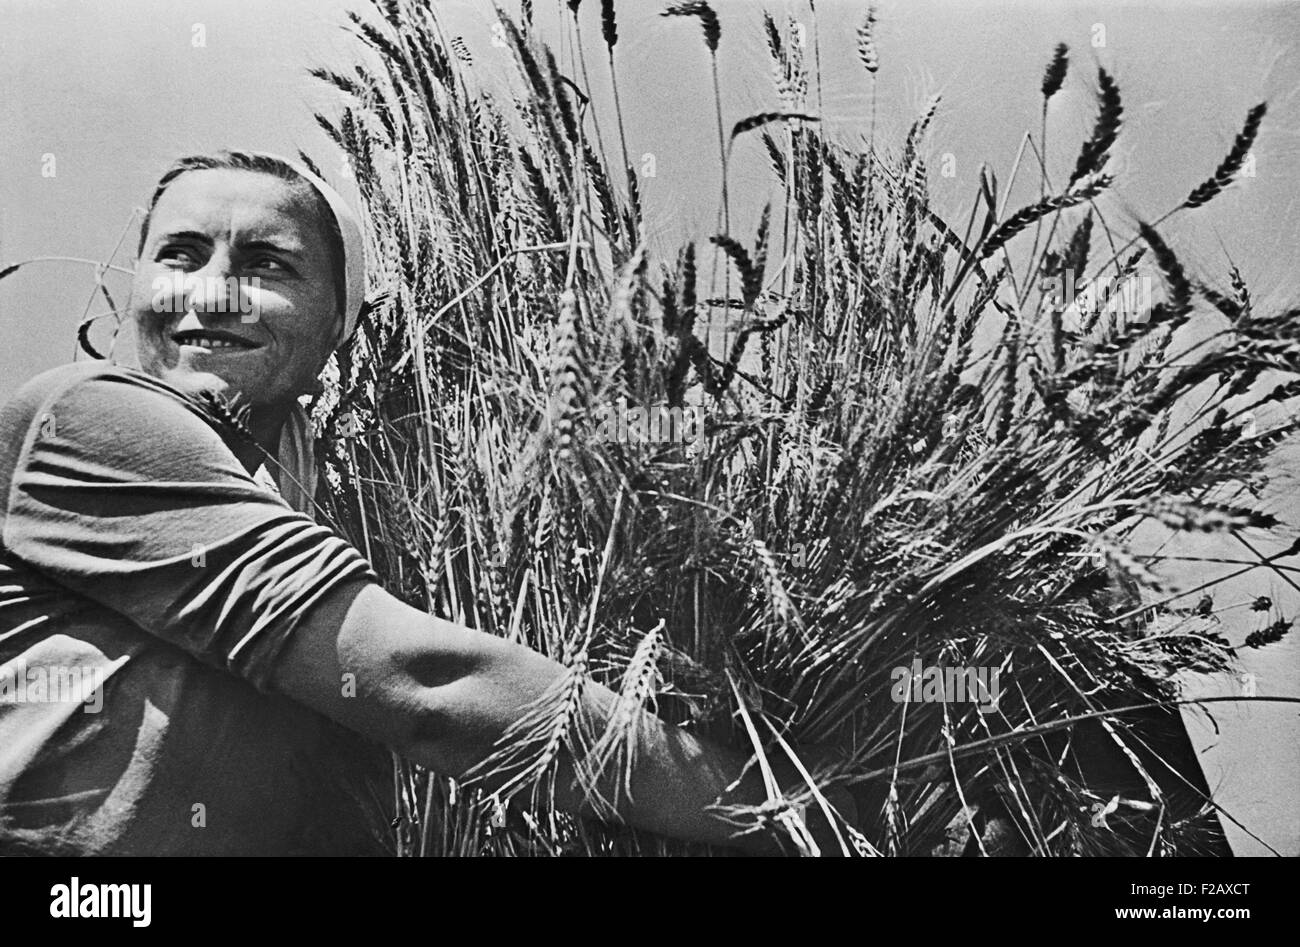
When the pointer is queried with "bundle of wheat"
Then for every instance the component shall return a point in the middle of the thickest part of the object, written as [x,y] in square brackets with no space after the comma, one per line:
[900,527]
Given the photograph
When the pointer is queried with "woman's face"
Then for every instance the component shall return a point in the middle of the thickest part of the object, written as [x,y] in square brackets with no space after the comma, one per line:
[234,290]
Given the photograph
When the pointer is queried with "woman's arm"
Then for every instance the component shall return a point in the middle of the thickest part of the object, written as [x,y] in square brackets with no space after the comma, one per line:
[441,695]
[123,493]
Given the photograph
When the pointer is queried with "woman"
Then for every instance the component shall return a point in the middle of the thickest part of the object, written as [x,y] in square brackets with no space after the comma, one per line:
[253,669]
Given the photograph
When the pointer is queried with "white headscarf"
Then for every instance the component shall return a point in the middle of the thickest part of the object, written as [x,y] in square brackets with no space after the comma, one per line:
[296,475]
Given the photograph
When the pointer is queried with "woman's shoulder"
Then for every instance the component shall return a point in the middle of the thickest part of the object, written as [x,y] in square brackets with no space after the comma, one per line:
[97,408]
[100,374]
[95,386]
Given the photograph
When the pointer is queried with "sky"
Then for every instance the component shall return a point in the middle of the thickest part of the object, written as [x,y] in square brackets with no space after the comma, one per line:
[96,99]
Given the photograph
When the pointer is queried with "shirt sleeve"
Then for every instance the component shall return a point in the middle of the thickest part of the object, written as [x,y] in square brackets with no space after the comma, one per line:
[123,494]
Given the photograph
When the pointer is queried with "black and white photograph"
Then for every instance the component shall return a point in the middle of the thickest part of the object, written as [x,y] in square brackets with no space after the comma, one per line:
[644,429]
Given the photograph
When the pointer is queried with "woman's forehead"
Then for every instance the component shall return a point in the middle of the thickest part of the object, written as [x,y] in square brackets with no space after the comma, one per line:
[243,204]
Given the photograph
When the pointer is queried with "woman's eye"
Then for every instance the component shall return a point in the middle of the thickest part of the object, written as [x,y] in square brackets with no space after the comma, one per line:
[176,255]
[269,264]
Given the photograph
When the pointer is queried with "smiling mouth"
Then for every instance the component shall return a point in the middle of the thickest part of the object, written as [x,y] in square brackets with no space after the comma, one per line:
[213,339]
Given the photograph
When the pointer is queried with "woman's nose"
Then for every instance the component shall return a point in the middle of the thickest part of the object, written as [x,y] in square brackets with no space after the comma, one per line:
[212,289]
